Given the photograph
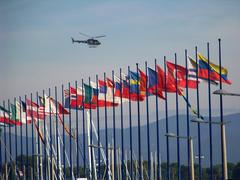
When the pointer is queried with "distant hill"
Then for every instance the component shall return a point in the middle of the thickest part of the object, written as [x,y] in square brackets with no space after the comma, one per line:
[232,133]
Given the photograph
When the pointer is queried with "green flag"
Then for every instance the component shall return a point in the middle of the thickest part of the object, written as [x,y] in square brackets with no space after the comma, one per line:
[87,94]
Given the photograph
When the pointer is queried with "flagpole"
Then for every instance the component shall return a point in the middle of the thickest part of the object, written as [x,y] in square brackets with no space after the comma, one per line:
[198,114]
[16,144]
[188,124]
[64,146]
[223,137]
[33,121]
[76,109]
[70,138]
[56,135]
[98,132]
[89,145]
[21,135]
[139,126]
[130,123]
[84,144]
[148,136]
[210,115]
[5,138]
[166,114]
[106,131]
[91,138]
[177,120]
[45,137]
[38,140]
[157,124]
[122,135]
[9,133]
[114,131]
[26,139]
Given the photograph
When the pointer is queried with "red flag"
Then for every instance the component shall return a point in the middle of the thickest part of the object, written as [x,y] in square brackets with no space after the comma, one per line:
[181,76]
[169,86]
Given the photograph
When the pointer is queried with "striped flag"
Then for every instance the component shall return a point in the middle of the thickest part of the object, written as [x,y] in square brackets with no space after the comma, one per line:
[5,118]
[192,69]
[18,112]
[214,69]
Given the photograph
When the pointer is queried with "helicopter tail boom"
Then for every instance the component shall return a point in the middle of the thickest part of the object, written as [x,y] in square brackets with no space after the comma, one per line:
[78,41]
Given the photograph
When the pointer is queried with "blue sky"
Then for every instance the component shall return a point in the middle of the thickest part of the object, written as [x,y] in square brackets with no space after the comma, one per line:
[36,50]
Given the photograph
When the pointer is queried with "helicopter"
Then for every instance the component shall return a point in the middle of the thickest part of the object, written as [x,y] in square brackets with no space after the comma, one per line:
[92,42]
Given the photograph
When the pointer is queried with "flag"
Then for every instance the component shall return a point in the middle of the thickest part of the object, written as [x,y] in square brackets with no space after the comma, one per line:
[52,106]
[125,87]
[135,84]
[34,111]
[170,85]
[153,84]
[192,68]
[118,84]
[18,113]
[214,70]
[5,118]
[181,76]
[105,89]
[73,97]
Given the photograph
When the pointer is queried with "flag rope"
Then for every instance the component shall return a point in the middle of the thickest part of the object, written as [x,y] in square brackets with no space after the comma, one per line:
[194,111]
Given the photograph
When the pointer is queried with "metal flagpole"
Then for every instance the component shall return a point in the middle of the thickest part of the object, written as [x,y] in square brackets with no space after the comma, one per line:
[4,128]
[51,142]
[187,108]
[84,144]
[91,137]
[139,126]
[70,138]
[223,138]
[177,119]
[16,142]
[148,136]
[76,86]
[166,111]
[33,121]
[191,157]
[89,145]
[98,133]
[56,135]
[26,140]
[9,133]
[130,124]
[157,124]
[114,131]
[39,143]
[45,137]
[210,115]
[122,135]
[199,127]
[106,131]
[21,135]
[152,168]
[64,146]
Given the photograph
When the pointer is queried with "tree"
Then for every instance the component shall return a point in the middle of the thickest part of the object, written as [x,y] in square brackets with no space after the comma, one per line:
[236,172]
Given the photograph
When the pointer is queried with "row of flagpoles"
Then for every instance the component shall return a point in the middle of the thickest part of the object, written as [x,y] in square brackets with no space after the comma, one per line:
[134,86]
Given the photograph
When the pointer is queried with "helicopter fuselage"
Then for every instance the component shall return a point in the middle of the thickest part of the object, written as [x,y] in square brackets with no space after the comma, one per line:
[93,42]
